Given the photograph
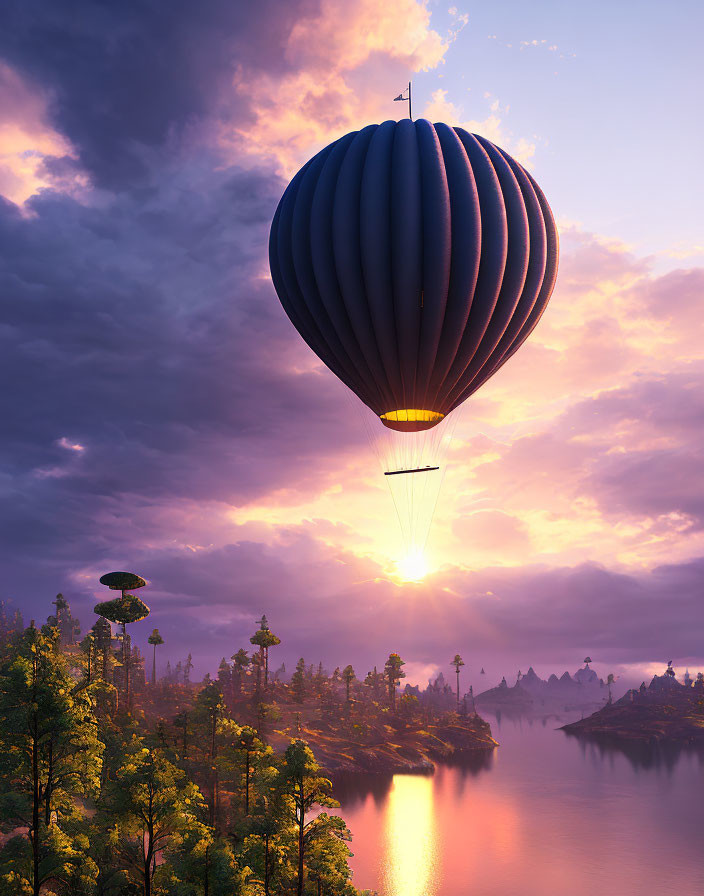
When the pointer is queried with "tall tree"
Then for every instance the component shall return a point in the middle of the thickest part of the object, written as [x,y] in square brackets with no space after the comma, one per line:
[182,723]
[240,758]
[123,610]
[240,662]
[393,674]
[374,681]
[327,856]
[198,863]
[155,640]
[609,681]
[264,638]
[209,709]
[298,681]
[89,650]
[103,639]
[457,662]
[149,805]
[50,756]
[303,788]
[348,677]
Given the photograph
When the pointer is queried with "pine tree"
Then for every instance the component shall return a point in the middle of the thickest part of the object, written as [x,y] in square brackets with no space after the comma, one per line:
[298,681]
[303,787]
[393,673]
[348,677]
[264,638]
[149,807]
[50,757]
[327,855]
[209,709]
[458,662]
[241,661]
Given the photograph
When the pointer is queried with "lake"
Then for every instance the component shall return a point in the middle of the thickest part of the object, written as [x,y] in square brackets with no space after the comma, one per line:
[544,815]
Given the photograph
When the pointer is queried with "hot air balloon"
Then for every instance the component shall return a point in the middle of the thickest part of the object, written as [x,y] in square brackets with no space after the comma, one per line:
[414,259]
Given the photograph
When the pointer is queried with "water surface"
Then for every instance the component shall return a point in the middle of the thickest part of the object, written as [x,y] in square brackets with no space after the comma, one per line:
[544,815]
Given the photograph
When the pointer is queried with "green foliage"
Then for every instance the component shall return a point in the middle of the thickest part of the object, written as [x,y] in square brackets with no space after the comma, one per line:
[409,706]
[327,856]
[95,803]
[155,638]
[264,638]
[123,610]
[298,681]
[302,787]
[393,673]
[150,806]
[50,758]
[122,581]
[197,862]
[240,662]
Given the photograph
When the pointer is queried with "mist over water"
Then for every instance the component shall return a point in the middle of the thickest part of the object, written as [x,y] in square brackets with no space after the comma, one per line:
[545,814]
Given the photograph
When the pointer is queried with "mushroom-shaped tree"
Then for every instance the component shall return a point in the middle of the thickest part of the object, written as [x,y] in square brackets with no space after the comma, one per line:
[123,610]
[264,639]
[587,660]
[457,662]
[122,581]
[154,639]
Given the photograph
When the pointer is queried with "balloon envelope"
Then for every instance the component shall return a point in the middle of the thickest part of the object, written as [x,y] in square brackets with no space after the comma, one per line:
[414,259]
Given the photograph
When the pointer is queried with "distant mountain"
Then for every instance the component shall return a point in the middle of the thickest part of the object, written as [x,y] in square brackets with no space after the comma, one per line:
[583,690]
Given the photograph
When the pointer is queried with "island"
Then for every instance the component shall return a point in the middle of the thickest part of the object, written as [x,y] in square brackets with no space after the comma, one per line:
[385,746]
[666,711]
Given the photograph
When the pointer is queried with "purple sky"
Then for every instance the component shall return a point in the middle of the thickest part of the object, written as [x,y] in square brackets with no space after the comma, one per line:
[160,414]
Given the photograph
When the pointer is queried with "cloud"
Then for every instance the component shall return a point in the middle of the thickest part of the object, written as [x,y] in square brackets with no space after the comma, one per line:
[345,64]
[128,82]
[265,81]
[493,534]
[548,617]
[163,415]
[492,127]
[26,137]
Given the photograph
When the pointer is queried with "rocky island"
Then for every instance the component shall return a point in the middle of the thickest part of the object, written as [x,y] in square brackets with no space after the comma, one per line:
[666,711]
[387,747]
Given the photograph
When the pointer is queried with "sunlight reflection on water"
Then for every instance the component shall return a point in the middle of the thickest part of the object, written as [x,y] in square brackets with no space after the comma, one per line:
[410,851]
[544,815]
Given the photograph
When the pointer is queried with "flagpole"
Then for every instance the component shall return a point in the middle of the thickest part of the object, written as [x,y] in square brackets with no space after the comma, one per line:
[402,99]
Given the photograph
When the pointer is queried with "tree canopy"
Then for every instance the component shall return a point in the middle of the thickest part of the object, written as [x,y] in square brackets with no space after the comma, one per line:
[123,610]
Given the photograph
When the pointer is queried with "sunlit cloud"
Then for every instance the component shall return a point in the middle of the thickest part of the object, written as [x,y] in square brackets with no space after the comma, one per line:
[339,60]
[26,138]
[69,445]
[492,127]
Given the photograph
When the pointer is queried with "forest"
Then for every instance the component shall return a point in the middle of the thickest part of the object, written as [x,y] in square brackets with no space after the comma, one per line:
[116,781]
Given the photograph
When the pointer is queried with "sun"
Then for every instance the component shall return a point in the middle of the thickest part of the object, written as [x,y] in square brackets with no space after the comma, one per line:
[413,567]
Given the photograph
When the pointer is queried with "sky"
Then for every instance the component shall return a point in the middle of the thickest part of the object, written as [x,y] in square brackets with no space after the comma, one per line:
[160,414]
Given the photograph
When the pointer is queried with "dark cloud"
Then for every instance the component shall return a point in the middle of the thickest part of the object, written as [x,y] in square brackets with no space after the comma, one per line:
[125,79]
[151,381]
[145,333]
[655,424]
